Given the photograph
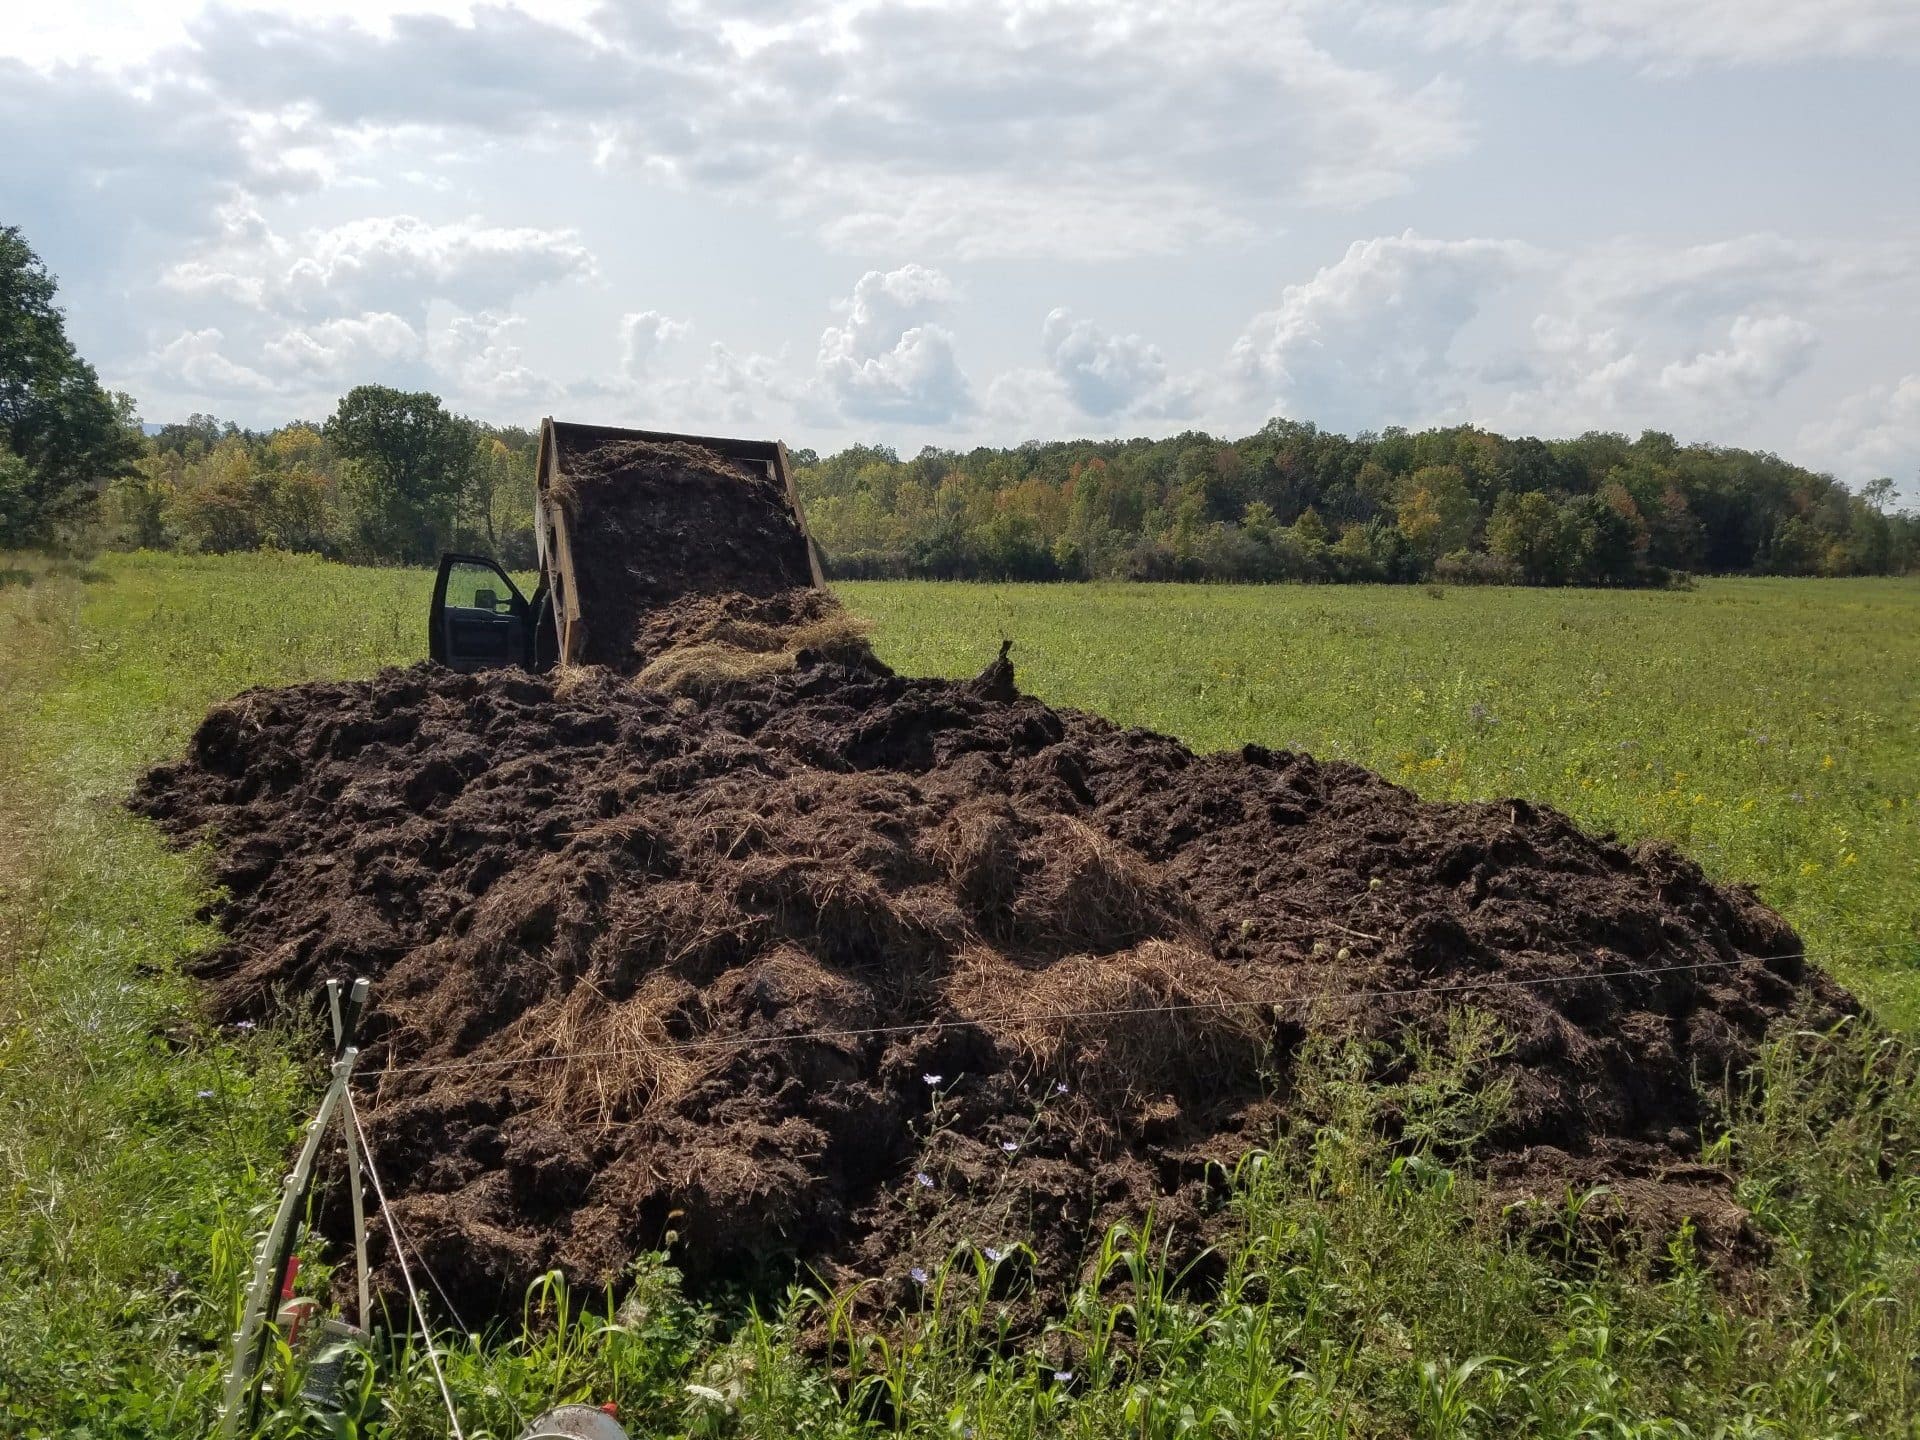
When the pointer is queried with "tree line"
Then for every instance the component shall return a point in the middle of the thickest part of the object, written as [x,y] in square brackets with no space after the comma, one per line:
[391,477]
[1293,502]
[395,477]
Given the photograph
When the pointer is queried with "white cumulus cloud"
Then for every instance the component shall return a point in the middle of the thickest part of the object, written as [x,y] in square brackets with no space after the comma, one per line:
[1368,341]
[479,357]
[348,348]
[1872,433]
[891,359]
[1103,373]
[1702,340]
[1665,36]
[394,263]
[1092,379]
[1761,354]
[642,335]
[196,360]
[1698,339]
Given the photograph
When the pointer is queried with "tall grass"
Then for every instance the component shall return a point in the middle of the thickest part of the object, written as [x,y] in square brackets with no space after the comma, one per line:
[137,1145]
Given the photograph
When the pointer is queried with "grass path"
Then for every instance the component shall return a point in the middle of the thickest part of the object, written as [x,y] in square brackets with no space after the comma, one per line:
[138,1146]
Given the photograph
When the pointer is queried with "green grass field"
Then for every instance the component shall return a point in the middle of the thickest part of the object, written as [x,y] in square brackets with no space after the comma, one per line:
[1770,728]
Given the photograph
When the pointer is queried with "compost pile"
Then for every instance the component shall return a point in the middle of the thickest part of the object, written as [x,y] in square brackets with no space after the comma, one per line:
[1044,971]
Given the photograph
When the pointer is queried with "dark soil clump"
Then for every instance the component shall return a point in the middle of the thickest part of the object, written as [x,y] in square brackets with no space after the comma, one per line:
[1047,969]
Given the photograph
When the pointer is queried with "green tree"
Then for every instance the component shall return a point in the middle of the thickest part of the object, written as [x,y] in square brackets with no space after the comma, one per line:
[1010,547]
[1310,532]
[68,436]
[1600,542]
[220,504]
[1373,551]
[1867,546]
[1374,483]
[1528,531]
[297,509]
[1436,511]
[294,445]
[408,461]
[1673,533]
[15,496]
[1796,549]
[137,503]
[497,503]
[192,438]
[1260,522]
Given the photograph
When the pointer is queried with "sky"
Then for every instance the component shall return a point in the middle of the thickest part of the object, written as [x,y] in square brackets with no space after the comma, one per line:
[962,222]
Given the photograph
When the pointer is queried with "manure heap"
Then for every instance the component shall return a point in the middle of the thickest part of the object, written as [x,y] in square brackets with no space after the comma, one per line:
[1043,971]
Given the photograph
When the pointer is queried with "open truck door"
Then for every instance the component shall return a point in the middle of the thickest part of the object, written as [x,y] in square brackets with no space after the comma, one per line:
[479,620]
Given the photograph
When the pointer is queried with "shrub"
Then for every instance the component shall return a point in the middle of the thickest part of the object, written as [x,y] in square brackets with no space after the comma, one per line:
[1474,567]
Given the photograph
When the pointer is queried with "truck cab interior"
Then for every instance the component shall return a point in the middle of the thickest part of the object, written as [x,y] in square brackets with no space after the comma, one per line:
[480,619]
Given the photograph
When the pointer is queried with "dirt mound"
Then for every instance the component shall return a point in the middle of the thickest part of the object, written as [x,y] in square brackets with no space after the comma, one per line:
[1045,969]
[652,523]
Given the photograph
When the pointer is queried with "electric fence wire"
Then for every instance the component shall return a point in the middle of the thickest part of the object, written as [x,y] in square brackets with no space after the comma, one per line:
[743,1042]
[406,1274]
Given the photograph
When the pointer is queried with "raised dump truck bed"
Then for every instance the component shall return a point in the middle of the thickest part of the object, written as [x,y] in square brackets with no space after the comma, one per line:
[631,519]
[627,521]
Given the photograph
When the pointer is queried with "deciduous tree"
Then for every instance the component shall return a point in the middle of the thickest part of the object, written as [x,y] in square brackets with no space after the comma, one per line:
[1436,511]
[409,460]
[67,436]
[1526,530]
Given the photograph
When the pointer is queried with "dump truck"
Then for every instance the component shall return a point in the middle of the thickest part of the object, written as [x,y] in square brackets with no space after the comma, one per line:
[480,619]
